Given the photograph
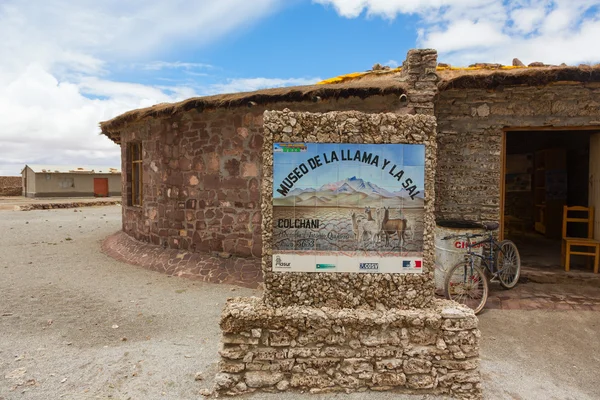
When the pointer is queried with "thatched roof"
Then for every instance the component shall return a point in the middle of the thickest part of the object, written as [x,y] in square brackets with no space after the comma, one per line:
[499,76]
[362,88]
[366,84]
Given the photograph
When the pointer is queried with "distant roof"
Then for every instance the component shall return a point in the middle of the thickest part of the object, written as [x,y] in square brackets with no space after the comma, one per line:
[73,169]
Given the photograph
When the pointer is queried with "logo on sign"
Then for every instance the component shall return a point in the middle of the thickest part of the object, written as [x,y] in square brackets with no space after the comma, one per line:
[325,266]
[289,148]
[369,266]
[412,264]
[281,264]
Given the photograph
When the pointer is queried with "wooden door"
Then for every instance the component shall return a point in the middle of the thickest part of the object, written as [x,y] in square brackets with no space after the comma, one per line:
[101,187]
[594,181]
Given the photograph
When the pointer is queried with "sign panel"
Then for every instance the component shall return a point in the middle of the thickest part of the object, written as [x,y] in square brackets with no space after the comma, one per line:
[348,207]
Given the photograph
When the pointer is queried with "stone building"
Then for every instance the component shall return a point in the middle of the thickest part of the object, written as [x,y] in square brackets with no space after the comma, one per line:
[192,170]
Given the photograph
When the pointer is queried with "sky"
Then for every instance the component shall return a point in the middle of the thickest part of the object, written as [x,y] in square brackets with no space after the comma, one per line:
[67,65]
[391,159]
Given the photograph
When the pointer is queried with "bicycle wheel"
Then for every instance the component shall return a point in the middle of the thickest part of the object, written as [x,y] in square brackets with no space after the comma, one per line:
[508,264]
[467,285]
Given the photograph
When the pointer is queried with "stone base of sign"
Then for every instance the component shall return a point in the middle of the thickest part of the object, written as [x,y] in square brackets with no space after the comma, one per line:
[297,348]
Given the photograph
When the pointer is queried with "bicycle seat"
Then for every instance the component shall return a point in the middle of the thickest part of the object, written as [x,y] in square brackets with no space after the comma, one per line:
[490,226]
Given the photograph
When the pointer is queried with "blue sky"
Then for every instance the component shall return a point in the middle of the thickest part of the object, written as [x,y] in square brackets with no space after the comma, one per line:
[407,158]
[68,65]
[303,40]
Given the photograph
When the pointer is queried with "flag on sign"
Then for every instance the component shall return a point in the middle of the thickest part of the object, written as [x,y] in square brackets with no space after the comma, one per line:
[406,264]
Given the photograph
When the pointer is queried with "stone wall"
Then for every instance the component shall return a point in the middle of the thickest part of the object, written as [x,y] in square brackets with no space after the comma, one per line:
[470,135]
[348,289]
[202,174]
[10,186]
[434,350]
[419,72]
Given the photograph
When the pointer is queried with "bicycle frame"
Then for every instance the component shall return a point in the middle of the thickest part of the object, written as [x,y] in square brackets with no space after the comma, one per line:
[489,260]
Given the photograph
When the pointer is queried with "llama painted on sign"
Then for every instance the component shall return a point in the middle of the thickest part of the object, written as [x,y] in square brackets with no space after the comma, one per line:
[348,205]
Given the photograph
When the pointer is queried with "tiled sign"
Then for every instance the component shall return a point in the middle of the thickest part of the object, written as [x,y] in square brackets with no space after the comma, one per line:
[348,207]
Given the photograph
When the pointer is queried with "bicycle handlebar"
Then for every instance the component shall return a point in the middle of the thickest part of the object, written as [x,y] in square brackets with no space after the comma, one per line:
[464,235]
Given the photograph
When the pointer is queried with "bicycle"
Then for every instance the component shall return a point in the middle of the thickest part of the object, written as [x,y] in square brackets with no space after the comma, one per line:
[466,282]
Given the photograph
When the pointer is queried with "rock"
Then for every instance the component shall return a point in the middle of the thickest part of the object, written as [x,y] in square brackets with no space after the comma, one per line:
[16,374]
[537,64]
[440,344]
[392,363]
[452,313]
[517,63]
[205,392]
[417,366]
[389,379]
[283,385]
[198,376]
[420,382]
[256,333]
[483,110]
[257,379]
[223,381]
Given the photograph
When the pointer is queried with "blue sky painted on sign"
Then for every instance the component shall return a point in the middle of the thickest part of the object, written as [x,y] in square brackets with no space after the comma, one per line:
[409,158]
[67,65]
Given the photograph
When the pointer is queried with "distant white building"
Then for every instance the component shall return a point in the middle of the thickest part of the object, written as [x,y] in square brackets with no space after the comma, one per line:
[70,181]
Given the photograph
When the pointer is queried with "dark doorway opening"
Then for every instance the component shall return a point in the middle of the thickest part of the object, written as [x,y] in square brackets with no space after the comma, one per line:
[545,171]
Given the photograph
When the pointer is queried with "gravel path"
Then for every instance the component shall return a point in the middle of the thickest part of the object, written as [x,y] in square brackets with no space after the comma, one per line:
[75,324]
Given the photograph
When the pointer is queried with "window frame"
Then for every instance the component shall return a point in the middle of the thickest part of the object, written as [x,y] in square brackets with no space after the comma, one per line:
[136,182]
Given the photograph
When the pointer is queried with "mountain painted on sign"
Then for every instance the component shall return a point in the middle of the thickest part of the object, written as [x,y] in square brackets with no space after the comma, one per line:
[351,192]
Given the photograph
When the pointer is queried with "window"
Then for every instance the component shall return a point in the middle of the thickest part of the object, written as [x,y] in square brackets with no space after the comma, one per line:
[135,155]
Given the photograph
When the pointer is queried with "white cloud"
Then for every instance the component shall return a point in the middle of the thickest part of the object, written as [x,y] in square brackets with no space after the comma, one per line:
[251,84]
[468,31]
[56,55]
[158,65]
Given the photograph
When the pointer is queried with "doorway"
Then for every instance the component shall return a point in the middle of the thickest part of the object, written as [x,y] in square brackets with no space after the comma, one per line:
[543,172]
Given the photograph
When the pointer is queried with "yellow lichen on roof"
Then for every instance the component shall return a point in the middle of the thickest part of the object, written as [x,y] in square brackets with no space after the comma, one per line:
[342,78]
[357,75]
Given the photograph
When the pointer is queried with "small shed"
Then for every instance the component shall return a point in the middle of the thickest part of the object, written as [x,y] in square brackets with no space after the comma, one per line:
[70,181]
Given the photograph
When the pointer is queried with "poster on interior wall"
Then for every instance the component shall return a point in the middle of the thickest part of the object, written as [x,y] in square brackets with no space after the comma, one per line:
[348,207]
[518,183]
[519,163]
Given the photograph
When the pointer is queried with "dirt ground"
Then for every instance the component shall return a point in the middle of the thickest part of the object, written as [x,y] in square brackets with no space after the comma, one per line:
[75,324]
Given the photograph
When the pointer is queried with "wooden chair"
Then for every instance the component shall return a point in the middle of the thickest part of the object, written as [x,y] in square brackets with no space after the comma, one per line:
[589,241]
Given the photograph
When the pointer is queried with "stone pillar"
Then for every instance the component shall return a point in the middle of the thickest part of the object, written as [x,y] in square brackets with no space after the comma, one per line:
[419,71]
[351,330]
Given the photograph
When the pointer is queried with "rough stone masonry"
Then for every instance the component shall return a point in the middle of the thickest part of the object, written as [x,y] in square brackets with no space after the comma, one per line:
[346,332]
